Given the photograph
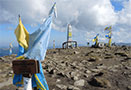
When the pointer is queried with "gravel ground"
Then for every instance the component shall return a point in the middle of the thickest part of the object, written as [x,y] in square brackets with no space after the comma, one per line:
[82,68]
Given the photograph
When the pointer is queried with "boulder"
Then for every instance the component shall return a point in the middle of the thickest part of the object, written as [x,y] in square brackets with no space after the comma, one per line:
[80,83]
[123,54]
[61,86]
[129,88]
[99,82]
[72,88]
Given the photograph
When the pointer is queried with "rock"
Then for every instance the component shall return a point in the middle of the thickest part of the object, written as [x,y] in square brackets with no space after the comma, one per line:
[76,52]
[62,87]
[99,74]
[72,88]
[92,59]
[125,48]
[127,67]
[74,63]
[61,74]
[101,67]
[10,74]
[87,54]
[86,76]
[1,60]
[96,70]
[88,71]
[108,57]
[74,75]
[122,54]
[54,52]
[75,78]
[80,83]
[51,71]
[129,88]
[99,82]
[84,62]
[128,58]
[58,80]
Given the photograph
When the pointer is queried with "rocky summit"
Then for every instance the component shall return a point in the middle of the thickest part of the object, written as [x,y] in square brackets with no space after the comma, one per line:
[82,68]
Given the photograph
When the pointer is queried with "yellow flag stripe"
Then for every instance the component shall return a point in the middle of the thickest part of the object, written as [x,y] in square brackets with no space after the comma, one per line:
[22,35]
[41,86]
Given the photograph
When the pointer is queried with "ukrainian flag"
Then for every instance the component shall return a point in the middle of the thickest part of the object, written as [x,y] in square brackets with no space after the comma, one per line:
[108,35]
[96,39]
[108,28]
[36,44]
[22,35]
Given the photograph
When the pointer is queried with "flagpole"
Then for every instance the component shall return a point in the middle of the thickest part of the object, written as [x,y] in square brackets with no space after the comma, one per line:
[110,39]
[53,44]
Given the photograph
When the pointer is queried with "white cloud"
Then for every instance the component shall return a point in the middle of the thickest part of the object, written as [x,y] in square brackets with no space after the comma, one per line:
[125,14]
[31,11]
[88,17]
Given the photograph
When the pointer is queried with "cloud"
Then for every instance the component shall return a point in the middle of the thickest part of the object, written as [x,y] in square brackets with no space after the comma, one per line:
[125,14]
[87,17]
[31,11]
[86,14]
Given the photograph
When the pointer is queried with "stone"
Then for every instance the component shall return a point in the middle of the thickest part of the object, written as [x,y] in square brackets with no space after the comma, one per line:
[52,71]
[75,78]
[60,86]
[96,70]
[74,75]
[58,80]
[80,83]
[88,71]
[92,59]
[129,88]
[72,88]
[121,54]
[99,82]
[61,74]
[86,76]
[76,52]
[101,67]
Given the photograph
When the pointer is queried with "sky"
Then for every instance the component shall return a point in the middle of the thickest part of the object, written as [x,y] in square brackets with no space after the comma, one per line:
[87,17]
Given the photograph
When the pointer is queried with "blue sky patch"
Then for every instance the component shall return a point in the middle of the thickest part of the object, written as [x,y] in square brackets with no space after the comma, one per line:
[118,5]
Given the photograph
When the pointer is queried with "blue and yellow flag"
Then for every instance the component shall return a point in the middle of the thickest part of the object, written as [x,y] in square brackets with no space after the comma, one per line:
[108,35]
[22,35]
[37,44]
[108,28]
[95,38]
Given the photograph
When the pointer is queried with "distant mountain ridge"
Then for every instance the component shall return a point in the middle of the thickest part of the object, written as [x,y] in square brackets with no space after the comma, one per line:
[16,49]
[121,44]
[4,52]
